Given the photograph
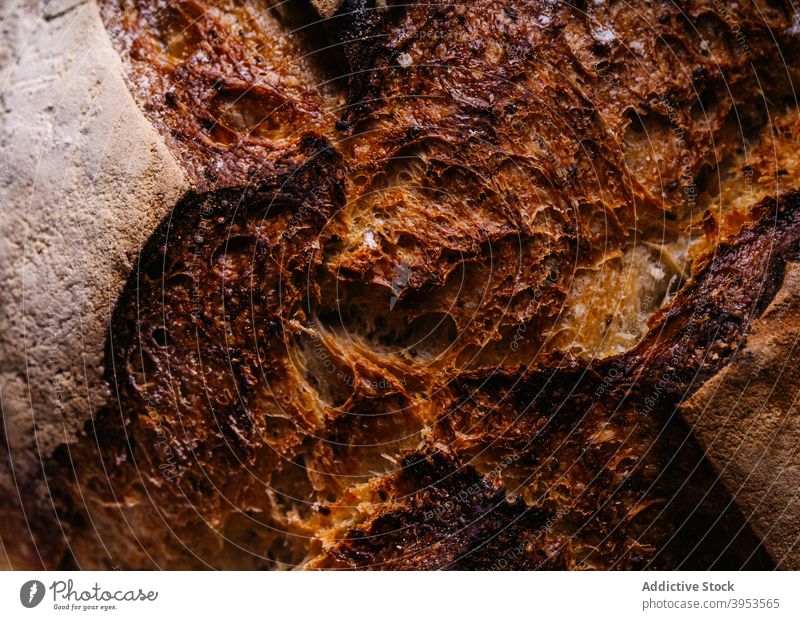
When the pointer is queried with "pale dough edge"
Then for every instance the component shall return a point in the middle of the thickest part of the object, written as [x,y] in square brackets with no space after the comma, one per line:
[84,181]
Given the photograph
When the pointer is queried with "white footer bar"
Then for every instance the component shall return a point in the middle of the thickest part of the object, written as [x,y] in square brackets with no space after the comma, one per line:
[399,596]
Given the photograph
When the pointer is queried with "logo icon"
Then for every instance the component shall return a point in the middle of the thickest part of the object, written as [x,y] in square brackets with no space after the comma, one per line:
[31,593]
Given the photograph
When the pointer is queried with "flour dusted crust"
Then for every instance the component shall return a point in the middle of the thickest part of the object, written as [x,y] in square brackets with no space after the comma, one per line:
[84,180]
[441,280]
[746,417]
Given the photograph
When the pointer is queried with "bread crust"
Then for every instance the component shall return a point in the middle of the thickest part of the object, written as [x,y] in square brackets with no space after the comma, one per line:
[85,179]
[746,419]
[276,468]
[327,8]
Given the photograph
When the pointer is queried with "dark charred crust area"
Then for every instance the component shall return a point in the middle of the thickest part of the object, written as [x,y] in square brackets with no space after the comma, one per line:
[199,347]
[452,518]
[365,33]
[702,329]
[440,310]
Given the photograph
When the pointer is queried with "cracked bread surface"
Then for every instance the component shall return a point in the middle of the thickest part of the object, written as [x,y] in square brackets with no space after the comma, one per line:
[446,275]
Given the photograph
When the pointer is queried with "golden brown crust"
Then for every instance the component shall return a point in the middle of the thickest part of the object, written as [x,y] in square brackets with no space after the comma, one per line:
[629,465]
[635,493]
[232,85]
[390,334]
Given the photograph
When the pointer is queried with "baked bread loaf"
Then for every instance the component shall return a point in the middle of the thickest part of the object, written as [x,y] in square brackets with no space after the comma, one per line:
[366,284]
